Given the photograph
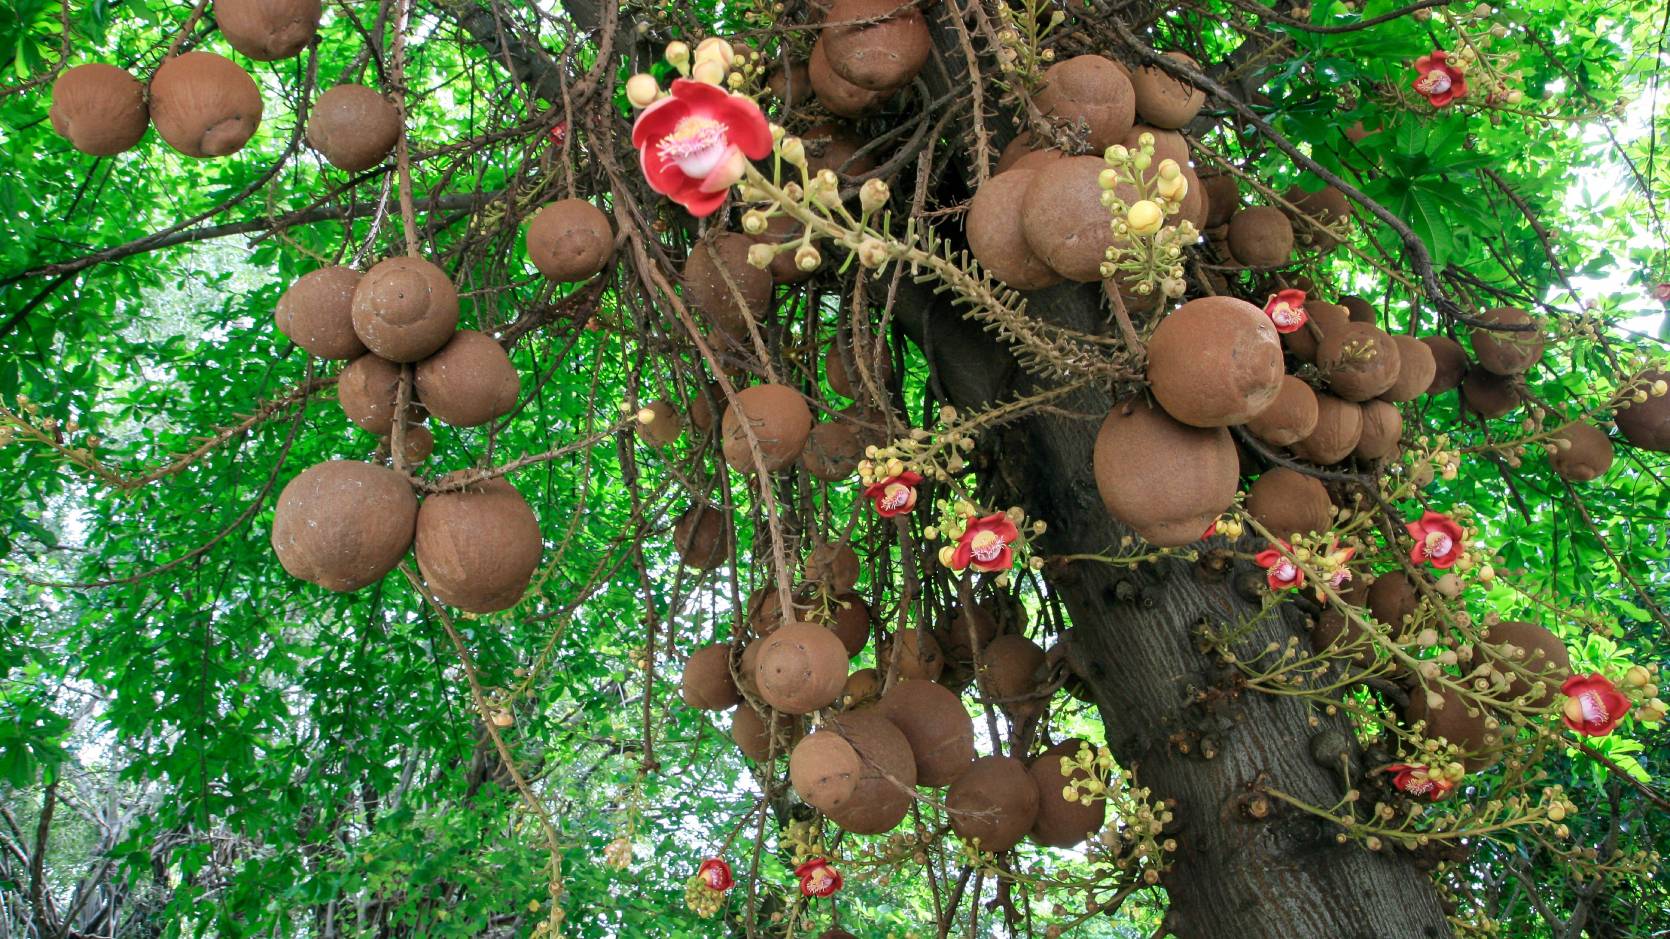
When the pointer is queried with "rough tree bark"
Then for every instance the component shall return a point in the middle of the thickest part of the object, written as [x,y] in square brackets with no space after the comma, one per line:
[1236,877]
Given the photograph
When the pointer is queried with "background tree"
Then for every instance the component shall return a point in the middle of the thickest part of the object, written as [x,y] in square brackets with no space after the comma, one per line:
[510,733]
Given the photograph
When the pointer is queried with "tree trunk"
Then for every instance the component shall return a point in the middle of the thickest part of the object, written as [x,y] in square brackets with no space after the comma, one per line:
[1171,713]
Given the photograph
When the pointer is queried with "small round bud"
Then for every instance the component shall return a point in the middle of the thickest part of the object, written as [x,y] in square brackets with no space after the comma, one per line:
[1145,218]
[708,72]
[642,90]
[753,221]
[793,151]
[760,256]
[806,258]
[677,55]
[872,195]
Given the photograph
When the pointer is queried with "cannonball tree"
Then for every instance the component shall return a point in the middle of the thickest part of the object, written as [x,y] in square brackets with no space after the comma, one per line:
[833,469]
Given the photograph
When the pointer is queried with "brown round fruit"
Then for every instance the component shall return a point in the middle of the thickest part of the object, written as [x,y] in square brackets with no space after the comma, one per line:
[1165,101]
[1012,666]
[1214,362]
[317,313]
[1646,424]
[1526,653]
[1063,824]
[1288,503]
[750,734]
[934,721]
[721,285]
[420,443]
[833,147]
[1325,207]
[994,802]
[1361,310]
[1325,318]
[1360,361]
[1392,599]
[368,389]
[664,424]
[1449,362]
[1339,425]
[570,240]
[851,622]
[832,452]
[478,547]
[997,237]
[1488,394]
[841,379]
[883,795]
[780,421]
[862,687]
[1504,352]
[1066,225]
[1223,198]
[879,52]
[1261,236]
[344,524]
[919,655]
[1416,369]
[268,30]
[1094,91]
[1586,454]
[1290,418]
[1165,479]
[702,537]
[204,105]
[470,381]
[834,565]
[801,668]
[99,109]
[707,682]
[954,629]
[824,769]
[840,96]
[1382,426]
[405,309]
[353,127]
[791,85]
[1168,145]
[1471,732]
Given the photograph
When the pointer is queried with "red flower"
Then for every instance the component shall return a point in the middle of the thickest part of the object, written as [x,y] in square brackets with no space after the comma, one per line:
[1420,781]
[716,874]
[1662,292]
[1286,309]
[1211,529]
[559,133]
[1281,572]
[1593,705]
[694,143]
[985,544]
[1437,541]
[817,878]
[1438,80]
[894,495]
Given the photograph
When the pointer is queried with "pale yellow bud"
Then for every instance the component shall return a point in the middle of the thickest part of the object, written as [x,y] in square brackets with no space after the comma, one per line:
[1145,218]
[642,90]
[1108,178]
[677,54]
[1174,188]
[872,195]
[1637,676]
[754,221]
[760,256]
[1169,169]
[714,49]
[708,72]
[806,258]
[793,151]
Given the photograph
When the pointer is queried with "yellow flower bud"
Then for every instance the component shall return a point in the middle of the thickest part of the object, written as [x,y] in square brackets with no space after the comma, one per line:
[793,151]
[1145,218]
[714,49]
[677,55]
[708,72]
[760,256]
[945,555]
[753,221]
[872,195]
[1169,169]
[806,258]
[1637,676]
[1174,188]
[642,90]
[1108,179]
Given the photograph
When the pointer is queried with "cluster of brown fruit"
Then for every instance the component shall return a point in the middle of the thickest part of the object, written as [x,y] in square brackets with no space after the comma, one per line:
[345,524]
[203,104]
[866,53]
[1042,217]
[868,746]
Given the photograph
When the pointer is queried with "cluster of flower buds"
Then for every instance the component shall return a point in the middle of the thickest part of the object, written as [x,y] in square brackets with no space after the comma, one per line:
[821,194]
[1641,684]
[704,892]
[1022,28]
[1148,253]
